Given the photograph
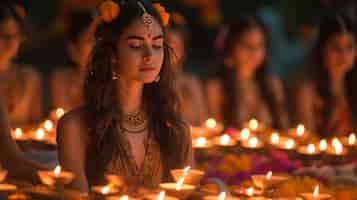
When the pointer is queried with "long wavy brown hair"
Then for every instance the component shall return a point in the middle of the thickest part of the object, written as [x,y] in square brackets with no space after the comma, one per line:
[159,99]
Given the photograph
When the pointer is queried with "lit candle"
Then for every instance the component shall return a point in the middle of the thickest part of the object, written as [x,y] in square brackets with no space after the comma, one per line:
[316,195]
[48,125]
[323,145]
[225,140]
[252,143]
[18,134]
[250,191]
[290,144]
[337,148]
[201,142]
[55,177]
[253,124]
[268,180]
[211,123]
[274,138]
[105,190]
[300,130]
[178,189]
[192,176]
[308,150]
[352,139]
[245,134]
[40,134]
[59,112]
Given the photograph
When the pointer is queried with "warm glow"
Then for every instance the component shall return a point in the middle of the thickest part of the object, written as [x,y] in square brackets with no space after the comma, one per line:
[40,134]
[201,142]
[249,191]
[48,125]
[253,124]
[245,134]
[180,183]
[311,148]
[334,141]
[57,171]
[316,191]
[186,170]
[161,195]
[211,123]
[18,133]
[253,142]
[323,145]
[222,196]
[352,139]
[59,112]
[289,144]
[106,190]
[125,197]
[300,130]
[274,138]
[338,147]
[269,174]
[224,139]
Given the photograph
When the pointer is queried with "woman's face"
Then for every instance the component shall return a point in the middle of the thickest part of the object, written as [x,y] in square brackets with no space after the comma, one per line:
[250,51]
[81,49]
[340,53]
[10,38]
[176,42]
[140,52]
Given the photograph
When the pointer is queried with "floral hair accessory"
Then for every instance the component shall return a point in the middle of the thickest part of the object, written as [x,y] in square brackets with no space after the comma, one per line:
[165,16]
[109,10]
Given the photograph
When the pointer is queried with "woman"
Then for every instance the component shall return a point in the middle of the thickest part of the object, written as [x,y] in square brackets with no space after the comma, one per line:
[130,124]
[20,84]
[244,88]
[325,100]
[189,87]
[67,82]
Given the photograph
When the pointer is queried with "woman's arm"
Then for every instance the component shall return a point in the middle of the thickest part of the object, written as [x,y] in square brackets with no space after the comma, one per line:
[71,140]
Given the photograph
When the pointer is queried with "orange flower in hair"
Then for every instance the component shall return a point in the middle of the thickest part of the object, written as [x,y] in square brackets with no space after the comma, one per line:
[165,16]
[109,10]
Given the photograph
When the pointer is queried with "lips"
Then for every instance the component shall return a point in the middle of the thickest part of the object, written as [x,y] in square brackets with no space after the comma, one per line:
[147,68]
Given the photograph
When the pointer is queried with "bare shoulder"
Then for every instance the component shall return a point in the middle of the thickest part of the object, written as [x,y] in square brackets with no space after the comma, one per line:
[73,124]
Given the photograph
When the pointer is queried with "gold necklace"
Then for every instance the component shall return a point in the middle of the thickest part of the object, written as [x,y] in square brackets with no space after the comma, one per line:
[134,123]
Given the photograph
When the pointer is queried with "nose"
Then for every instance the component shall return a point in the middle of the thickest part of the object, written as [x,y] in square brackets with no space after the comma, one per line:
[148,55]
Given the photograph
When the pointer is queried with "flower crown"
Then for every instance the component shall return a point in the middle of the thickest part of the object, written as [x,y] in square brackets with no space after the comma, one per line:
[109,10]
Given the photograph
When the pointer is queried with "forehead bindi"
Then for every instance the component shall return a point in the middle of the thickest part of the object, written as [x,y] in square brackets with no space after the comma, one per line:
[138,30]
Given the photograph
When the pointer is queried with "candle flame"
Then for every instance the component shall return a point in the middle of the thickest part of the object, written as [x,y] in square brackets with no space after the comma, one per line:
[18,133]
[253,142]
[352,139]
[40,134]
[180,183]
[300,130]
[224,139]
[334,141]
[106,190]
[222,196]
[186,170]
[253,124]
[48,125]
[289,144]
[249,191]
[161,195]
[211,123]
[59,112]
[338,147]
[274,138]
[269,175]
[245,134]
[125,197]
[201,142]
[323,145]
[311,148]
[57,170]
[316,191]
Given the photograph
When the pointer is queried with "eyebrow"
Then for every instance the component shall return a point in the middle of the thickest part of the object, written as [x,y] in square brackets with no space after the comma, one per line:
[135,37]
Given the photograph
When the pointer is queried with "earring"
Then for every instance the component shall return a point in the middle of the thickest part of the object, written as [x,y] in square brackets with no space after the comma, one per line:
[115,76]
[157,79]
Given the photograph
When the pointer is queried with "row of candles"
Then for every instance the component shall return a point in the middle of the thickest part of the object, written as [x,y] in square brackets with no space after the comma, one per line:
[44,132]
[295,139]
